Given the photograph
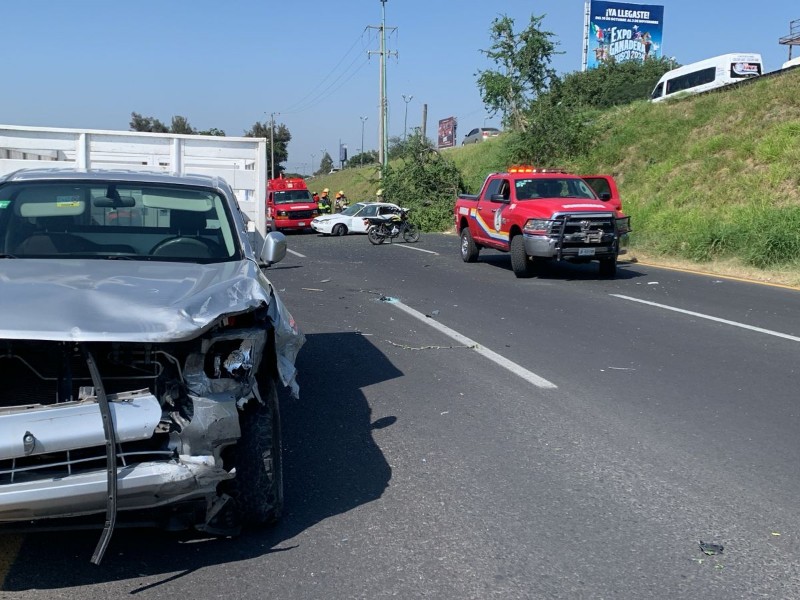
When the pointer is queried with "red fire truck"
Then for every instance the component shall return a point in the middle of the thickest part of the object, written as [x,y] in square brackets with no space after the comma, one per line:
[541,214]
[289,204]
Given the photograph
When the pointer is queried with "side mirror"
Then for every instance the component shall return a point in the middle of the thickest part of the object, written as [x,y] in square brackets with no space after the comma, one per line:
[499,198]
[274,248]
[605,196]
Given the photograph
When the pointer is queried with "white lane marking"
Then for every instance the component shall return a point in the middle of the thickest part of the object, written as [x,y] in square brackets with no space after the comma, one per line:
[414,248]
[528,376]
[711,318]
[295,253]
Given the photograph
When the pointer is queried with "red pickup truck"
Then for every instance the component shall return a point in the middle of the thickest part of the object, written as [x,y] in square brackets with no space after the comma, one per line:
[538,215]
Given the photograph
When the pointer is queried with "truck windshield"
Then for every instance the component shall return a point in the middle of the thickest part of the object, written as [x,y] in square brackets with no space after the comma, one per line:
[292,196]
[553,187]
[115,220]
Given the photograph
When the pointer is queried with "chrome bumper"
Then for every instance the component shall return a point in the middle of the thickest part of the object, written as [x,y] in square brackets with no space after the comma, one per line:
[542,246]
[146,485]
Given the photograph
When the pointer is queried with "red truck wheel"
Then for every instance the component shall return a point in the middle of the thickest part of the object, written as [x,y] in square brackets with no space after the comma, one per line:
[608,266]
[520,263]
[469,250]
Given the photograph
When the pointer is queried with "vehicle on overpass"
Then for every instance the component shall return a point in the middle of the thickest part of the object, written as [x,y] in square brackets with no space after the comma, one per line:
[707,75]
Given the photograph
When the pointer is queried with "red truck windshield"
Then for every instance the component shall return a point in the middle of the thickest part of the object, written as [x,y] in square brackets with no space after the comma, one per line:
[572,187]
[292,196]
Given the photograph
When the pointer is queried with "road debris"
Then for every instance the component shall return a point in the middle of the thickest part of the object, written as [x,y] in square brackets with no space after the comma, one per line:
[710,549]
[406,347]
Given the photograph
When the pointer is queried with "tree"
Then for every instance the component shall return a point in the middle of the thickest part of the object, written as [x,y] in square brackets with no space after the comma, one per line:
[370,157]
[523,72]
[281,138]
[149,124]
[326,164]
[212,131]
[179,125]
[611,83]
[397,147]
[425,181]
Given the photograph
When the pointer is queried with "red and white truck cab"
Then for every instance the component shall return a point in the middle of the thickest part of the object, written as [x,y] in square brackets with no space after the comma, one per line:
[289,204]
[541,214]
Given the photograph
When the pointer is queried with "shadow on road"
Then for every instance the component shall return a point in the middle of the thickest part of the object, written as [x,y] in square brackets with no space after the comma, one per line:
[331,465]
[565,270]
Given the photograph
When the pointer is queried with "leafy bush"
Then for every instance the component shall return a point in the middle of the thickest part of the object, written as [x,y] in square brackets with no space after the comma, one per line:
[425,181]
[555,133]
[610,84]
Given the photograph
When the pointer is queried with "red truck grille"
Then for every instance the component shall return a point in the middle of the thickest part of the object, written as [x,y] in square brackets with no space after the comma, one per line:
[579,228]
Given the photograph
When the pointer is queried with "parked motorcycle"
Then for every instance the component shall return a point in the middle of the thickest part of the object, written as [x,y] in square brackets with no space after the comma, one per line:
[388,227]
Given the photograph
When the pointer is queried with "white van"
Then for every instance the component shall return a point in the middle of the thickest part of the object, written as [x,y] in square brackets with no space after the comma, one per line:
[707,75]
[791,63]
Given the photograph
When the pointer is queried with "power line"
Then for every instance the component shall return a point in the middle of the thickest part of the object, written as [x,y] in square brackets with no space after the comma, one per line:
[300,105]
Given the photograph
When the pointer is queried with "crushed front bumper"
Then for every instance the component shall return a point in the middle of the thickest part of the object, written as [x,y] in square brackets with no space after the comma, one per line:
[141,486]
[53,462]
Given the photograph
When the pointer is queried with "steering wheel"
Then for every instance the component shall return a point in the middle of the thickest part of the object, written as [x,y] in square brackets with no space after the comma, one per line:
[186,247]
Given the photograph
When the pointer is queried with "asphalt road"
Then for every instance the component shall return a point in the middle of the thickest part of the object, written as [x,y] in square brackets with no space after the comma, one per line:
[465,434]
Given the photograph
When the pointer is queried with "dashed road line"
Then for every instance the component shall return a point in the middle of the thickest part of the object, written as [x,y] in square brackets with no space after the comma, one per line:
[496,358]
[786,336]
[295,253]
[415,248]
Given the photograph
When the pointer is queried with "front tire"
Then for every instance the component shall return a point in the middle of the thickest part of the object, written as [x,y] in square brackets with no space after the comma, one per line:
[520,263]
[258,485]
[608,266]
[469,249]
[339,229]
[374,236]
[410,233]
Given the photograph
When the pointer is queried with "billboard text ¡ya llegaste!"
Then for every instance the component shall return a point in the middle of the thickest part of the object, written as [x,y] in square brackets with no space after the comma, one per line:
[620,31]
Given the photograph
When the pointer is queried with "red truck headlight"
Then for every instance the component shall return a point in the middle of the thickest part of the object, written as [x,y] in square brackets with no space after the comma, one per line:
[537,227]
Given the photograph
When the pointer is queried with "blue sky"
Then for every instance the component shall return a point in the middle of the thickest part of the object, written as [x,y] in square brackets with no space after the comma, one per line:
[89,64]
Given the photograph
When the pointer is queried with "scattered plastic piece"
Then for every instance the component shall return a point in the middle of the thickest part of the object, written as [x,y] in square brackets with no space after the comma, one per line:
[711,549]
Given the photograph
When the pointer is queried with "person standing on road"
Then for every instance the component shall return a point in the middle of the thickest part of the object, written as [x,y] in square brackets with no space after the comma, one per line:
[324,202]
[341,201]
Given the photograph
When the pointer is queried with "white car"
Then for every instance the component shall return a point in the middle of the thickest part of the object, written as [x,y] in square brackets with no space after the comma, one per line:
[351,219]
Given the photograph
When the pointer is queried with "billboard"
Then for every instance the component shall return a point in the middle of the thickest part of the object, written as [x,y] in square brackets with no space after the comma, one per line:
[618,31]
[447,133]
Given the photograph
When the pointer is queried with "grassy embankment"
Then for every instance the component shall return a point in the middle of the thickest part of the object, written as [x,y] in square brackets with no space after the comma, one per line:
[711,182]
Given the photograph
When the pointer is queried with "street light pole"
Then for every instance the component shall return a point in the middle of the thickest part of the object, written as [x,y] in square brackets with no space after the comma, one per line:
[405,119]
[363,120]
[312,163]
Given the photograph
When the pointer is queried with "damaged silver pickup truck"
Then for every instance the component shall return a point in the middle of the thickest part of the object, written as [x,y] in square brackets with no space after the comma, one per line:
[140,345]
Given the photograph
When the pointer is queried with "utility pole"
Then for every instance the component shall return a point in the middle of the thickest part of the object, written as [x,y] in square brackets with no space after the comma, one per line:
[312,163]
[272,144]
[405,118]
[424,121]
[383,123]
[363,120]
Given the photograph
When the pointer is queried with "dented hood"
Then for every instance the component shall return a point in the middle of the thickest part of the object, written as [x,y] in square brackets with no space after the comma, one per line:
[119,300]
